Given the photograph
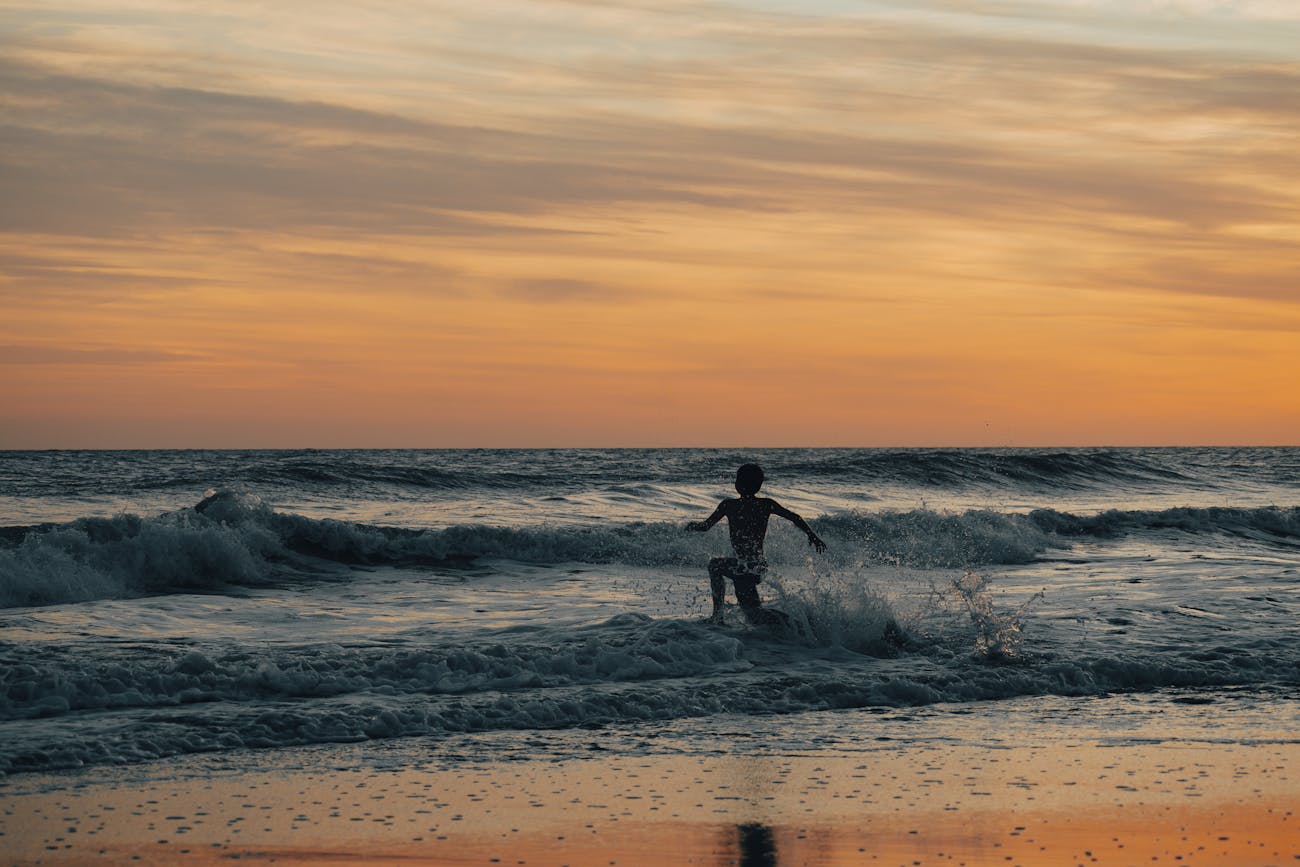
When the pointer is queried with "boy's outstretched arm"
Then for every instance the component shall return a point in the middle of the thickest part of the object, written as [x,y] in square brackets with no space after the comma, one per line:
[701,526]
[813,538]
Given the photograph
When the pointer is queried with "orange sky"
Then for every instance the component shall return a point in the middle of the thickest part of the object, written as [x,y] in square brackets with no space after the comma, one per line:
[1023,222]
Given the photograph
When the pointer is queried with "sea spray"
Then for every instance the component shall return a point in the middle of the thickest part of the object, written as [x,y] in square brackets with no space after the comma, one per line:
[841,609]
[998,636]
[928,538]
[848,609]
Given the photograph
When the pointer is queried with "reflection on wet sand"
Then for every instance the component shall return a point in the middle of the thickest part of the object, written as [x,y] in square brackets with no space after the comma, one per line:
[757,846]
[1068,804]
[1249,836]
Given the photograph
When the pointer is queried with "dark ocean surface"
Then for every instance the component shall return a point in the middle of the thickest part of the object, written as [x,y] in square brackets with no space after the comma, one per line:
[334,596]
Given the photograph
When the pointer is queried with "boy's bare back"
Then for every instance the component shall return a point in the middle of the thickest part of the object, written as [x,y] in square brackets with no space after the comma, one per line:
[747,519]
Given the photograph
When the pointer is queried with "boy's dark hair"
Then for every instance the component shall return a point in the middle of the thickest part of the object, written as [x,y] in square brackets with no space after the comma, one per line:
[749,478]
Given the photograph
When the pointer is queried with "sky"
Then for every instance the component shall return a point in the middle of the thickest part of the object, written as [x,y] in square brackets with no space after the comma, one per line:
[649,223]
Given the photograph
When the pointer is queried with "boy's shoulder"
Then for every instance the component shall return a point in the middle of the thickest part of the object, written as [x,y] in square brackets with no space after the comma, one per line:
[734,502]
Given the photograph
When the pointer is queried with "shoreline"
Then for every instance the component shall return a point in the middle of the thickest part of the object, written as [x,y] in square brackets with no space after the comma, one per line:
[1042,793]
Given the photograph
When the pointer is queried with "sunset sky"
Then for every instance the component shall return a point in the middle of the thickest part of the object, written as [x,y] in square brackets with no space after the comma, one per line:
[648,222]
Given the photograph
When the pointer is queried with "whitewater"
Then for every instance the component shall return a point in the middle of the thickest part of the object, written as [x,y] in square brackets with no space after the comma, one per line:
[156,604]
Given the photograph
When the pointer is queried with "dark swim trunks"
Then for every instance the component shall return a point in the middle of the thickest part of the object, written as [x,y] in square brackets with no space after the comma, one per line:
[745,577]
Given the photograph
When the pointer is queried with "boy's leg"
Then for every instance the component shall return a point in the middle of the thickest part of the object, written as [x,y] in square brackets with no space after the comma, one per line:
[719,570]
[755,613]
[747,594]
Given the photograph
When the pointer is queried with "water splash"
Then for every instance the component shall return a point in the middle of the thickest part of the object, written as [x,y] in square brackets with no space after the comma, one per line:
[842,610]
[998,636]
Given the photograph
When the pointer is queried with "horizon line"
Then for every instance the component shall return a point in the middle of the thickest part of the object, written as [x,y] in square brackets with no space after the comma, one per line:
[641,447]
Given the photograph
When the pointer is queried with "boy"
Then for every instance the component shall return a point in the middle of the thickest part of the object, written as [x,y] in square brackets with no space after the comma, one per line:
[747,524]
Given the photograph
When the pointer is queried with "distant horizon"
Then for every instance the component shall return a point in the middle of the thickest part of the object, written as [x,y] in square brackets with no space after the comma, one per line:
[542,448]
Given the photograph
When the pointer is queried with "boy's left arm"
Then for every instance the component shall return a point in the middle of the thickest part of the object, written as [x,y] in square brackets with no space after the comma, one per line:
[813,538]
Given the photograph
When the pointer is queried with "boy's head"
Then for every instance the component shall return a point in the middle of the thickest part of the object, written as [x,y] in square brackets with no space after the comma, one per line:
[749,479]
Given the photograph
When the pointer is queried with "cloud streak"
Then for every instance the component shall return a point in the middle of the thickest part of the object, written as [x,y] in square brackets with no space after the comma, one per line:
[62,355]
[114,153]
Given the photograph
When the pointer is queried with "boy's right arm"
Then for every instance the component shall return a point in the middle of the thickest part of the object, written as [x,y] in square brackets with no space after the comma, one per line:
[813,538]
[701,526]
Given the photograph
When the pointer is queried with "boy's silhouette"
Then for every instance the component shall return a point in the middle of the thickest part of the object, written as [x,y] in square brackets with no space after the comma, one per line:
[747,524]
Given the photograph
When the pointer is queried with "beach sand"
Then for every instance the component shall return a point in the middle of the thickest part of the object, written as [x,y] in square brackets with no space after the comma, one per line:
[642,797]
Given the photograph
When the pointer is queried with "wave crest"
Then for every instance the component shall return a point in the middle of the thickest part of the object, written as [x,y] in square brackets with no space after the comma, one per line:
[234,538]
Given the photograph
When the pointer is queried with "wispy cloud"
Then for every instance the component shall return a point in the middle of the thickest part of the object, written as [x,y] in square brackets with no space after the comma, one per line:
[546,290]
[931,119]
[62,355]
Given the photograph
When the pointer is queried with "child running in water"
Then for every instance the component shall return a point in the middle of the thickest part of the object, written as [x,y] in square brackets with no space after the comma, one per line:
[747,524]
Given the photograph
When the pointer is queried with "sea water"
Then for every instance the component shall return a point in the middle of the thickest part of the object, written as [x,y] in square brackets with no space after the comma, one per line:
[161,603]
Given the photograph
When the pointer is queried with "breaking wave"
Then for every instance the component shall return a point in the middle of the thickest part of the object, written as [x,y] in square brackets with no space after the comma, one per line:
[234,539]
[628,669]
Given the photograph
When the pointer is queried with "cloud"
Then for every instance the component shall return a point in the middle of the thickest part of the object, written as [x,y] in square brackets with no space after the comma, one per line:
[112,158]
[1210,276]
[741,111]
[549,290]
[43,355]
[84,279]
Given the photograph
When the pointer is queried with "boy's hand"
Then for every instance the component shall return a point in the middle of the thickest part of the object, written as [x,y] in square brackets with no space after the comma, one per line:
[697,526]
[816,542]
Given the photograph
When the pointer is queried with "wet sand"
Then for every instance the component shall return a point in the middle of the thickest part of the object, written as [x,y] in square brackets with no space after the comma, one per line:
[510,799]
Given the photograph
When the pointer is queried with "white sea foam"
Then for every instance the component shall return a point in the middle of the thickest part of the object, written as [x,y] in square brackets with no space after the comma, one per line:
[233,538]
[620,672]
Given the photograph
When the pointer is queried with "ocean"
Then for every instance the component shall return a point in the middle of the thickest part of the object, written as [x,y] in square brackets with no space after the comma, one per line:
[158,604]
